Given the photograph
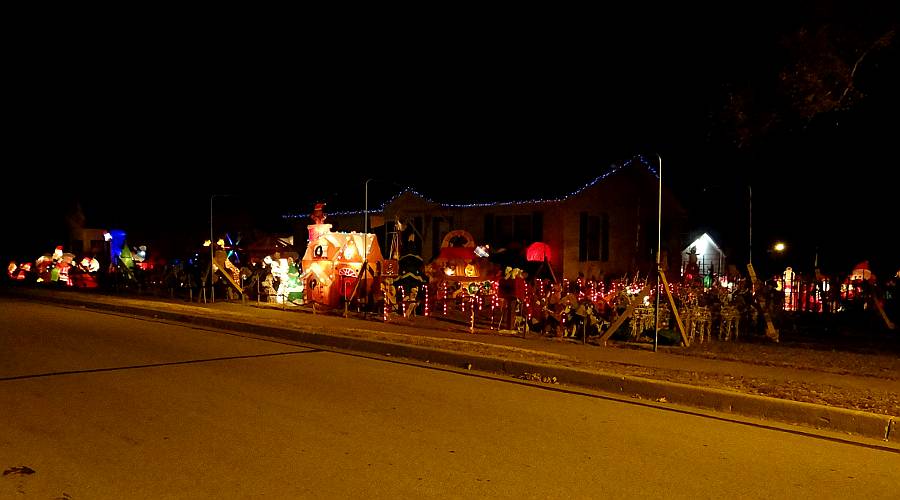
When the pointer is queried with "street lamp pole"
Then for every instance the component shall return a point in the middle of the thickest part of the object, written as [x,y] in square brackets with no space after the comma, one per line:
[750,222]
[212,251]
[658,251]
[366,212]
[366,251]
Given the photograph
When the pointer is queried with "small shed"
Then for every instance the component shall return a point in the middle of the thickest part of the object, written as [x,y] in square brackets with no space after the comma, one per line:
[705,254]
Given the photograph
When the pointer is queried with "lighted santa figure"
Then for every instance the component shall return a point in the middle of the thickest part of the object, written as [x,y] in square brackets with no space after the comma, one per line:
[861,272]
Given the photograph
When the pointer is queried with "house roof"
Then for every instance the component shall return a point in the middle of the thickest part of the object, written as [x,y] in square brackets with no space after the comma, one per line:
[612,169]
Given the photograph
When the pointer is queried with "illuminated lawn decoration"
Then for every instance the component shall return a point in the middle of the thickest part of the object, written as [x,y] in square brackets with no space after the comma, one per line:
[790,303]
[116,243]
[84,275]
[290,286]
[460,276]
[42,267]
[702,257]
[333,263]
[860,277]
[64,265]
[389,294]
[538,252]
[410,302]
[23,272]
[231,247]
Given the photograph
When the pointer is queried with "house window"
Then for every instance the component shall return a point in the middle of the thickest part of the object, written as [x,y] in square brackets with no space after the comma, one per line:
[503,229]
[593,240]
[489,229]
[500,230]
[604,239]
[537,226]
[440,226]
[522,228]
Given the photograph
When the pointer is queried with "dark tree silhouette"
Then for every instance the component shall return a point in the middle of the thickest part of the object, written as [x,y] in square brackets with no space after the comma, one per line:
[816,77]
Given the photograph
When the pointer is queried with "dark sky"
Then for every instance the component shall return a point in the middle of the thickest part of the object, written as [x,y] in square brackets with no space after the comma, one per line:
[138,125]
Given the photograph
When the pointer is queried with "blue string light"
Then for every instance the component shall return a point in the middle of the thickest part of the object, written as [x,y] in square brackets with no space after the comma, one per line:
[640,159]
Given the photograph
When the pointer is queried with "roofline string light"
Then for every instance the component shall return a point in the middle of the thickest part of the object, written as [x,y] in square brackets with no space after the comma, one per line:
[612,169]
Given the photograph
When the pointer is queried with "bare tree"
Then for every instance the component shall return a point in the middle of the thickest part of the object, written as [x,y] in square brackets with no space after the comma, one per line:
[820,77]
[817,76]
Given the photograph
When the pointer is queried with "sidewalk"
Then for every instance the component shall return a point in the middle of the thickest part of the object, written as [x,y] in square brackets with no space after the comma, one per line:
[859,397]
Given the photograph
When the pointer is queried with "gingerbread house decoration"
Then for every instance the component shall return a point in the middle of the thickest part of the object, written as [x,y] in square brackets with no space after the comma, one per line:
[333,263]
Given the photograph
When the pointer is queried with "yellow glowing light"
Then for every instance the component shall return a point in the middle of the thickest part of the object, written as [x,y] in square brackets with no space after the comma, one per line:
[221,242]
[779,247]
[206,243]
[470,271]
[349,252]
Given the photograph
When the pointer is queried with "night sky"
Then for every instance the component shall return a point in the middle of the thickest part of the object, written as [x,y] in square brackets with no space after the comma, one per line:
[138,126]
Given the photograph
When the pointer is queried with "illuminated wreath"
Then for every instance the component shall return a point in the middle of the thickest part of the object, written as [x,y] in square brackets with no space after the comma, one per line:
[457,235]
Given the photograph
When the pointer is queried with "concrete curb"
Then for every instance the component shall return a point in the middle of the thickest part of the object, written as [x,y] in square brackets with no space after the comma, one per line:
[860,423]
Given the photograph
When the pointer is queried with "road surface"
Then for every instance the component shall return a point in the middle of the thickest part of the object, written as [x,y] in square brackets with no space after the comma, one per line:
[106,406]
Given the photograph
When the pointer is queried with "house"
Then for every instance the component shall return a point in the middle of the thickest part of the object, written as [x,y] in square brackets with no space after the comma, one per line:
[270,245]
[606,228]
[85,241]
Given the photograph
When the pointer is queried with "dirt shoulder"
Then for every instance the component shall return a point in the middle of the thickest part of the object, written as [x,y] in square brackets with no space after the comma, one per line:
[876,388]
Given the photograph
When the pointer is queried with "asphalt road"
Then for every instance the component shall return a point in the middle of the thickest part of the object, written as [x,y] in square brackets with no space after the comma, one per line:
[104,406]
